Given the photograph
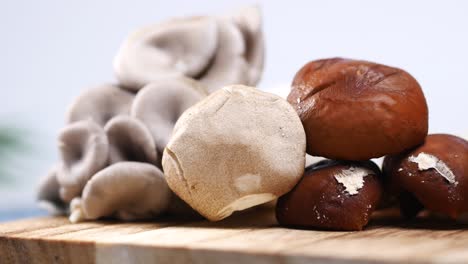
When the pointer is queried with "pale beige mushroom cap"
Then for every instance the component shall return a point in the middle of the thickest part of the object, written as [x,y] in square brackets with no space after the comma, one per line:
[130,140]
[159,104]
[216,50]
[237,148]
[84,150]
[100,104]
[126,190]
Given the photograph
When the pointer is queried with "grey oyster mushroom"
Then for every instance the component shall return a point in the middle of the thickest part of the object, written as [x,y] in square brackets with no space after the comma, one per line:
[130,140]
[126,190]
[249,21]
[159,104]
[173,48]
[48,195]
[100,104]
[229,64]
[217,51]
[84,150]
[221,159]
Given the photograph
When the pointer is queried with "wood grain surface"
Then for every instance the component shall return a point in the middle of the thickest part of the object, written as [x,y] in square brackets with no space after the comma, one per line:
[250,237]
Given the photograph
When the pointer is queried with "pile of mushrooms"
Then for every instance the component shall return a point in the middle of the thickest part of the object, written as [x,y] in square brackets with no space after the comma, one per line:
[112,144]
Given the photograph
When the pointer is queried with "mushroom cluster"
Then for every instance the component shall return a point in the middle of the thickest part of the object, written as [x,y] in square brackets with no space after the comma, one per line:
[111,146]
[215,50]
[183,130]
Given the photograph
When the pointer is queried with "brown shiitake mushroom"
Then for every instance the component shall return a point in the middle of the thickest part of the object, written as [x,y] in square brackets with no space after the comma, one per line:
[84,150]
[127,190]
[357,110]
[434,174]
[100,104]
[221,159]
[159,104]
[336,195]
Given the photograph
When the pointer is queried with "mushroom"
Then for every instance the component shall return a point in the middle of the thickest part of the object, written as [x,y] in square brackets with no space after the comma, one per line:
[100,104]
[214,50]
[229,65]
[126,190]
[159,104]
[175,48]
[240,54]
[249,21]
[48,195]
[221,159]
[84,150]
[130,140]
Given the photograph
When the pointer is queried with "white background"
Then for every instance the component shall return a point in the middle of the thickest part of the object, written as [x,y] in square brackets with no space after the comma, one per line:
[51,50]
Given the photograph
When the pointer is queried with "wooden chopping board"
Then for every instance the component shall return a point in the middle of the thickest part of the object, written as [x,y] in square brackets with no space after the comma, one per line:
[249,237]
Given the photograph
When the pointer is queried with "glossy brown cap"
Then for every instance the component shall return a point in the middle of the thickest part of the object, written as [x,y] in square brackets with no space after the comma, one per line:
[435,173]
[319,201]
[357,110]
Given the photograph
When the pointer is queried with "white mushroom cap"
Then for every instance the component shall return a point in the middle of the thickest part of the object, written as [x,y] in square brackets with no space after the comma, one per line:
[130,140]
[127,190]
[100,104]
[175,48]
[159,104]
[215,50]
[48,195]
[84,150]
[237,148]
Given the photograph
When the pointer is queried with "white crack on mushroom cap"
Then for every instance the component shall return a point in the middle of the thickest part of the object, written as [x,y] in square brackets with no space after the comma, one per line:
[221,159]
[48,195]
[130,140]
[84,150]
[159,104]
[126,190]
[427,161]
[217,51]
[100,104]
[353,179]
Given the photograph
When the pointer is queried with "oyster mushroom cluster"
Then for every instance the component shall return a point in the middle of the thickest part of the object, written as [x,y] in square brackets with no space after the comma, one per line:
[111,146]
[215,50]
